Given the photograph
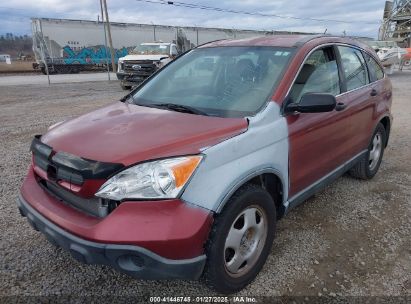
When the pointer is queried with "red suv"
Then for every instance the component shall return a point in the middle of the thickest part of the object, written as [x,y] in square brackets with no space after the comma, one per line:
[187,175]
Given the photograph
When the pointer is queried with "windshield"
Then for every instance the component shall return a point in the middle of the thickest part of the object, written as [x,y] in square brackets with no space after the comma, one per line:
[220,81]
[152,49]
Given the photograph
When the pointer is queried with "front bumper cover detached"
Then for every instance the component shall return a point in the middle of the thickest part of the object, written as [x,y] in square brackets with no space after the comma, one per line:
[130,78]
[132,260]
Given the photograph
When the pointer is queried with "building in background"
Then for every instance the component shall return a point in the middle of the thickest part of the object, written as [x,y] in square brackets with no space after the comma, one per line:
[397,22]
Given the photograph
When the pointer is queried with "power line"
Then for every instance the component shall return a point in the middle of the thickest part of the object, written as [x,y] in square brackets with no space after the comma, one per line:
[232,11]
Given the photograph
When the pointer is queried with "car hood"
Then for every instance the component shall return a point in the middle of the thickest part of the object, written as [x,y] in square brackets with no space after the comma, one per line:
[126,133]
[144,57]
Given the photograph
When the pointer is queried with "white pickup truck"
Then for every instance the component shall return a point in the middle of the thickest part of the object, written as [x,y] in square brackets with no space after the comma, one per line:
[143,61]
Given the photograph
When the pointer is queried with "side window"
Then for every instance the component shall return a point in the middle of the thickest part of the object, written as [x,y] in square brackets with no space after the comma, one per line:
[319,74]
[375,69]
[355,69]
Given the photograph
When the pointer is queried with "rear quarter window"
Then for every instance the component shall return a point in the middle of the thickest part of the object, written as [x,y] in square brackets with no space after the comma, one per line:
[376,72]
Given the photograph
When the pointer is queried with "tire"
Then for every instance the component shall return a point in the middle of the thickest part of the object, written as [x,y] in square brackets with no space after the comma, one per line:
[250,204]
[369,164]
[125,87]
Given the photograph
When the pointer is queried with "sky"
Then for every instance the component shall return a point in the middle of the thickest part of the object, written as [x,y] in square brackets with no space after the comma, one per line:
[361,17]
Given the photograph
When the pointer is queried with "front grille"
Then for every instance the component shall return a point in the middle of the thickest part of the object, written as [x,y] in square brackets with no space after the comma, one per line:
[92,206]
[74,170]
[140,67]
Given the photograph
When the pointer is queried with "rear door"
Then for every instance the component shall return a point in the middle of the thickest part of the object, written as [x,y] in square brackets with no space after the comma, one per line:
[380,90]
[360,99]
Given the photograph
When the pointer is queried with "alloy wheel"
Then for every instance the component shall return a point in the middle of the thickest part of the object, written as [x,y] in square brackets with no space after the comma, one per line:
[375,152]
[245,241]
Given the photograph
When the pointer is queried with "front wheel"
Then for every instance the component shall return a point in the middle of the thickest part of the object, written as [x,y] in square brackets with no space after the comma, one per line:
[369,164]
[240,240]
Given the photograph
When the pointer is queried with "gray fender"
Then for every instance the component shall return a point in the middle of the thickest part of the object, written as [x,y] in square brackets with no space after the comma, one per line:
[263,148]
[244,179]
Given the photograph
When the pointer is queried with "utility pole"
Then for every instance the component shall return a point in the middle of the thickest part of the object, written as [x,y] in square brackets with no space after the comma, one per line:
[110,41]
[105,40]
[43,53]
[154,29]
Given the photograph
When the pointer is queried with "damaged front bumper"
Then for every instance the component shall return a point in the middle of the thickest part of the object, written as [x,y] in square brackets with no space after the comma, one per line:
[132,260]
[130,79]
[145,239]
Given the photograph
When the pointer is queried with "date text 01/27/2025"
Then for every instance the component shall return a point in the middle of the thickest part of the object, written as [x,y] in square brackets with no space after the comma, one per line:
[203,299]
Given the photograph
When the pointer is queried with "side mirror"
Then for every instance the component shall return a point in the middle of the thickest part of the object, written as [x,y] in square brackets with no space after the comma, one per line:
[174,53]
[313,103]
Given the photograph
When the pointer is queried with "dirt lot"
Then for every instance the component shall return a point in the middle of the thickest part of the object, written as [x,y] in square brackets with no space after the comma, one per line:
[353,239]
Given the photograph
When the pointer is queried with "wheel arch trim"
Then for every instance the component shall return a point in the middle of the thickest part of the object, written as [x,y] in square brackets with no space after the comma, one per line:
[247,177]
[387,127]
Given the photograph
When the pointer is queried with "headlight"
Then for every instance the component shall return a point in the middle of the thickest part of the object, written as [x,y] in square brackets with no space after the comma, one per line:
[120,66]
[158,64]
[159,179]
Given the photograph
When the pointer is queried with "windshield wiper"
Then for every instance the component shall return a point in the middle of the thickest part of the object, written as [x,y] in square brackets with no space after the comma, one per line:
[179,108]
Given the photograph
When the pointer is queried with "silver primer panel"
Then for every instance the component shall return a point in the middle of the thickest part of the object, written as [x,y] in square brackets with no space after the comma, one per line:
[262,148]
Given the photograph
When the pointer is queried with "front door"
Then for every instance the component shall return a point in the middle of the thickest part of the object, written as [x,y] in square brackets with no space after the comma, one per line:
[317,140]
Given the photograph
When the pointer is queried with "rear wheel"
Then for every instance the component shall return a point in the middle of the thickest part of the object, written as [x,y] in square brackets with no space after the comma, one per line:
[240,240]
[369,164]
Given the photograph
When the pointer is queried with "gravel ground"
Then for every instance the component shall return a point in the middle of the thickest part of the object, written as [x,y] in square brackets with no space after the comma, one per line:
[40,79]
[352,239]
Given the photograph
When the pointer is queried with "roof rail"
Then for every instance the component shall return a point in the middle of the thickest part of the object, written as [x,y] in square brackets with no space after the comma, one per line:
[212,41]
[309,38]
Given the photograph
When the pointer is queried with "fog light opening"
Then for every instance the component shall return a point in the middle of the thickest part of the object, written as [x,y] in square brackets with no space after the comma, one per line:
[130,262]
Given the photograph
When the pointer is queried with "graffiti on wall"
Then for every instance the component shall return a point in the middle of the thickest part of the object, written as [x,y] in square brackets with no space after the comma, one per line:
[91,55]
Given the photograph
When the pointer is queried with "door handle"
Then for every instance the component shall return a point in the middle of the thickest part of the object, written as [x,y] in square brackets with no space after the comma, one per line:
[374,92]
[340,106]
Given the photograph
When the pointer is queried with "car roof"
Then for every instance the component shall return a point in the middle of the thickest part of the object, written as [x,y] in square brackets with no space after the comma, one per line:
[288,40]
[274,40]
